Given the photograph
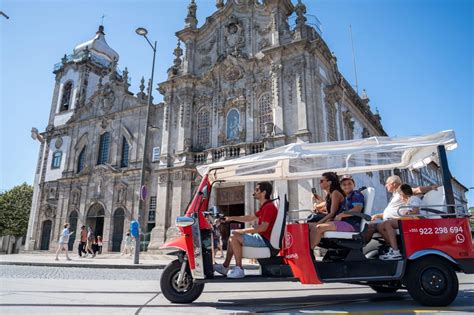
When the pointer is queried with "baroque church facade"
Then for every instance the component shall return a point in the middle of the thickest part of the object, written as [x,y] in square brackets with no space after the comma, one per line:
[245,81]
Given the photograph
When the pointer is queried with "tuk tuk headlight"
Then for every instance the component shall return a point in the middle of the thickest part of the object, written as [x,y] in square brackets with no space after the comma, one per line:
[184,221]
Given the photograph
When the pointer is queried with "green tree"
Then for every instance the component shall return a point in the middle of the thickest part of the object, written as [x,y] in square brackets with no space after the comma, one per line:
[15,207]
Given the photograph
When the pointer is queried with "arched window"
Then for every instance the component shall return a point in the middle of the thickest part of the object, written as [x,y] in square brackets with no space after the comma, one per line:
[125,151]
[203,128]
[265,111]
[104,148]
[66,98]
[56,162]
[81,161]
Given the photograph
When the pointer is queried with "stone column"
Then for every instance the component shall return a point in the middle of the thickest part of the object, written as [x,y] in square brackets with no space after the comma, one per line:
[158,234]
[276,73]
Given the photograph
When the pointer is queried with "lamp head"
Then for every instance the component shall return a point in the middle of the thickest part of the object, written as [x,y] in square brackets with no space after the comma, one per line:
[141,31]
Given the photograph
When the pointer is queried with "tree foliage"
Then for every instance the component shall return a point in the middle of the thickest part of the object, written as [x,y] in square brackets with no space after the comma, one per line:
[15,205]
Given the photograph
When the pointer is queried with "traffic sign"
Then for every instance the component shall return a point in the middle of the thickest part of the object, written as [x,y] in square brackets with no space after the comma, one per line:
[143,193]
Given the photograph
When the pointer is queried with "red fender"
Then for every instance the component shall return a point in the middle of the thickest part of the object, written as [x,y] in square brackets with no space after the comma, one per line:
[185,243]
[179,243]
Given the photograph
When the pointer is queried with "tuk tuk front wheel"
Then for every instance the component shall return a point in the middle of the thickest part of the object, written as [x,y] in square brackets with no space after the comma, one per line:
[185,292]
[432,281]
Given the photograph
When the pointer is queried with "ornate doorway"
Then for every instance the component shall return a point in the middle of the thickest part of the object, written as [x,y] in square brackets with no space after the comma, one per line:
[72,228]
[231,202]
[95,219]
[117,234]
[46,235]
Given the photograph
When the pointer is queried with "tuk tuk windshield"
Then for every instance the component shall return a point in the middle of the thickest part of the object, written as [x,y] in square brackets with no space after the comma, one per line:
[309,160]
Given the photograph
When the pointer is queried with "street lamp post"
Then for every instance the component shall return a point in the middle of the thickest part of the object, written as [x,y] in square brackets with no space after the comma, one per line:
[143,32]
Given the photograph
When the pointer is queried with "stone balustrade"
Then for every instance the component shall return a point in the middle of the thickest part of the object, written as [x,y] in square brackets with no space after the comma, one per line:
[227,152]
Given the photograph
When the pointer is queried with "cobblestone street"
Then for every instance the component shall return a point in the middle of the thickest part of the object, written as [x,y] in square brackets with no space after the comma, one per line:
[71,290]
[66,273]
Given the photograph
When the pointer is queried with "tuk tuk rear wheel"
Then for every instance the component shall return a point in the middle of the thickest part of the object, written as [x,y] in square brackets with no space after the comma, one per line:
[432,281]
[187,292]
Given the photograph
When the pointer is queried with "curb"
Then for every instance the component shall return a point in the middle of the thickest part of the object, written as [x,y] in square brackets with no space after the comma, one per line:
[103,266]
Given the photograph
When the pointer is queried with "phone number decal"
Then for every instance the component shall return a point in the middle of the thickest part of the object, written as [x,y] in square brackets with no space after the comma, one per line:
[437,230]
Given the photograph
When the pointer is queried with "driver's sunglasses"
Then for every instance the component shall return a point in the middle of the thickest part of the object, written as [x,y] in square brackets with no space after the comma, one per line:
[322,180]
[257,189]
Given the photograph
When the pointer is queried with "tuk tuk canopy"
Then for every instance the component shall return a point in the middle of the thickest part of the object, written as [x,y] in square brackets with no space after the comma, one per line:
[308,160]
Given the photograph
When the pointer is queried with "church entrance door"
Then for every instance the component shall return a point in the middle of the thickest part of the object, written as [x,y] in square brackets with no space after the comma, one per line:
[95,219]
[46,235]
[72,228]
[231,202]
[117,234]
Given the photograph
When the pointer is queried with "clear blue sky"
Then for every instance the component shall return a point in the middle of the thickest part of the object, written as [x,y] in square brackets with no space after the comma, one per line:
[414,58]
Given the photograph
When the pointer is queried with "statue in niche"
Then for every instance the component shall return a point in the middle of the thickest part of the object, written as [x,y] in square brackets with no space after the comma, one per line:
[233,122]
[122,195]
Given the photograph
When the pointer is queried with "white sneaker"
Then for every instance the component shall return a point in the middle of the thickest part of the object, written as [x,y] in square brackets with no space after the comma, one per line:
[221,269]
[236,273]
[391,255]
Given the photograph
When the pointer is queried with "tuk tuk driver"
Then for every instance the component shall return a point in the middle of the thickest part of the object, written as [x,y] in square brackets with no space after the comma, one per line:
[257,236]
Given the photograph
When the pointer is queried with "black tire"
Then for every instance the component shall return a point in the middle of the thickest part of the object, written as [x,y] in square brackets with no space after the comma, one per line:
[432,281]
[187,293]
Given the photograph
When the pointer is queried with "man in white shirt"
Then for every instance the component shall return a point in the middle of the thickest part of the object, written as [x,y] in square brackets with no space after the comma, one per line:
[392,185]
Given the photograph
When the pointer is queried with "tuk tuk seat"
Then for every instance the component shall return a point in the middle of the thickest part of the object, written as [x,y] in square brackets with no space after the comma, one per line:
[369,197]
[275,237]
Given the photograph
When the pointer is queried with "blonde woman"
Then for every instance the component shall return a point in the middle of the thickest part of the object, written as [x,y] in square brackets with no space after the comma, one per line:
[63,241]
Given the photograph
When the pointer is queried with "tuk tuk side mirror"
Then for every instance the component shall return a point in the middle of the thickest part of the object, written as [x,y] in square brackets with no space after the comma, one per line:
[184,221]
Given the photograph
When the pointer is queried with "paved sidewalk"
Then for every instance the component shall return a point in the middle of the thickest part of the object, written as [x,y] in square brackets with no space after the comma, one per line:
[106,260]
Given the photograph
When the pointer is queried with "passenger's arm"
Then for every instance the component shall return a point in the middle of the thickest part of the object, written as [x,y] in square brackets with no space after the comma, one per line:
[336,200]
[377,216]
[424,189]
[320,207]
[357,208]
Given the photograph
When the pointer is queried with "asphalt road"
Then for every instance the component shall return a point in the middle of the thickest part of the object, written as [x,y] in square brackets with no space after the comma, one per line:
[49,290]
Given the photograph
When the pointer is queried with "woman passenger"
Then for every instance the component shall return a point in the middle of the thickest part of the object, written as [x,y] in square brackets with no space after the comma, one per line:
[329,182]
[344,222]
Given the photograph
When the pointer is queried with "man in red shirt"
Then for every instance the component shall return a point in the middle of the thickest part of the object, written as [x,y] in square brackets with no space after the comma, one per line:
[250,237]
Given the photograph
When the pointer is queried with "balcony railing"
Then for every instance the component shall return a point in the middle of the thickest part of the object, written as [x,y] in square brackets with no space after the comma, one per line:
[227,152]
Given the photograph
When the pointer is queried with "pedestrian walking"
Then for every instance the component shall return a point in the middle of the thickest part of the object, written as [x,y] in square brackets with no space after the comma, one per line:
[82,244]
[90,241]
[99,244]
[128,246]
[63,241]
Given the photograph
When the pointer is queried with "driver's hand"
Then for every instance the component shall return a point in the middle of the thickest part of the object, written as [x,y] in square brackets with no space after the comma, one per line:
[227,219]
[374,217]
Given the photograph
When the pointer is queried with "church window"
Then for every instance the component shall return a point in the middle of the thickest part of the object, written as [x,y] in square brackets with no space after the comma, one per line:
[233,124]
[265,111]
[348,125]
[203,128]
[104,148]
[125,152]
[331,117]
[66,97]
[156,154]
[56,162]
[81,161]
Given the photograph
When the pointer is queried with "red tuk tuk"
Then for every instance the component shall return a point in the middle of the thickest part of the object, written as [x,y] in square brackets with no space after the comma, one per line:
[435,244]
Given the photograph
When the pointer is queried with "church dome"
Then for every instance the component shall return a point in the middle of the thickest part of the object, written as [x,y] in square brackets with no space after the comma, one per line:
[98,46]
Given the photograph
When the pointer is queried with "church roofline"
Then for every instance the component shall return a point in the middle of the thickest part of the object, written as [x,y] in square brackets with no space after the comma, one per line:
[225,11]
